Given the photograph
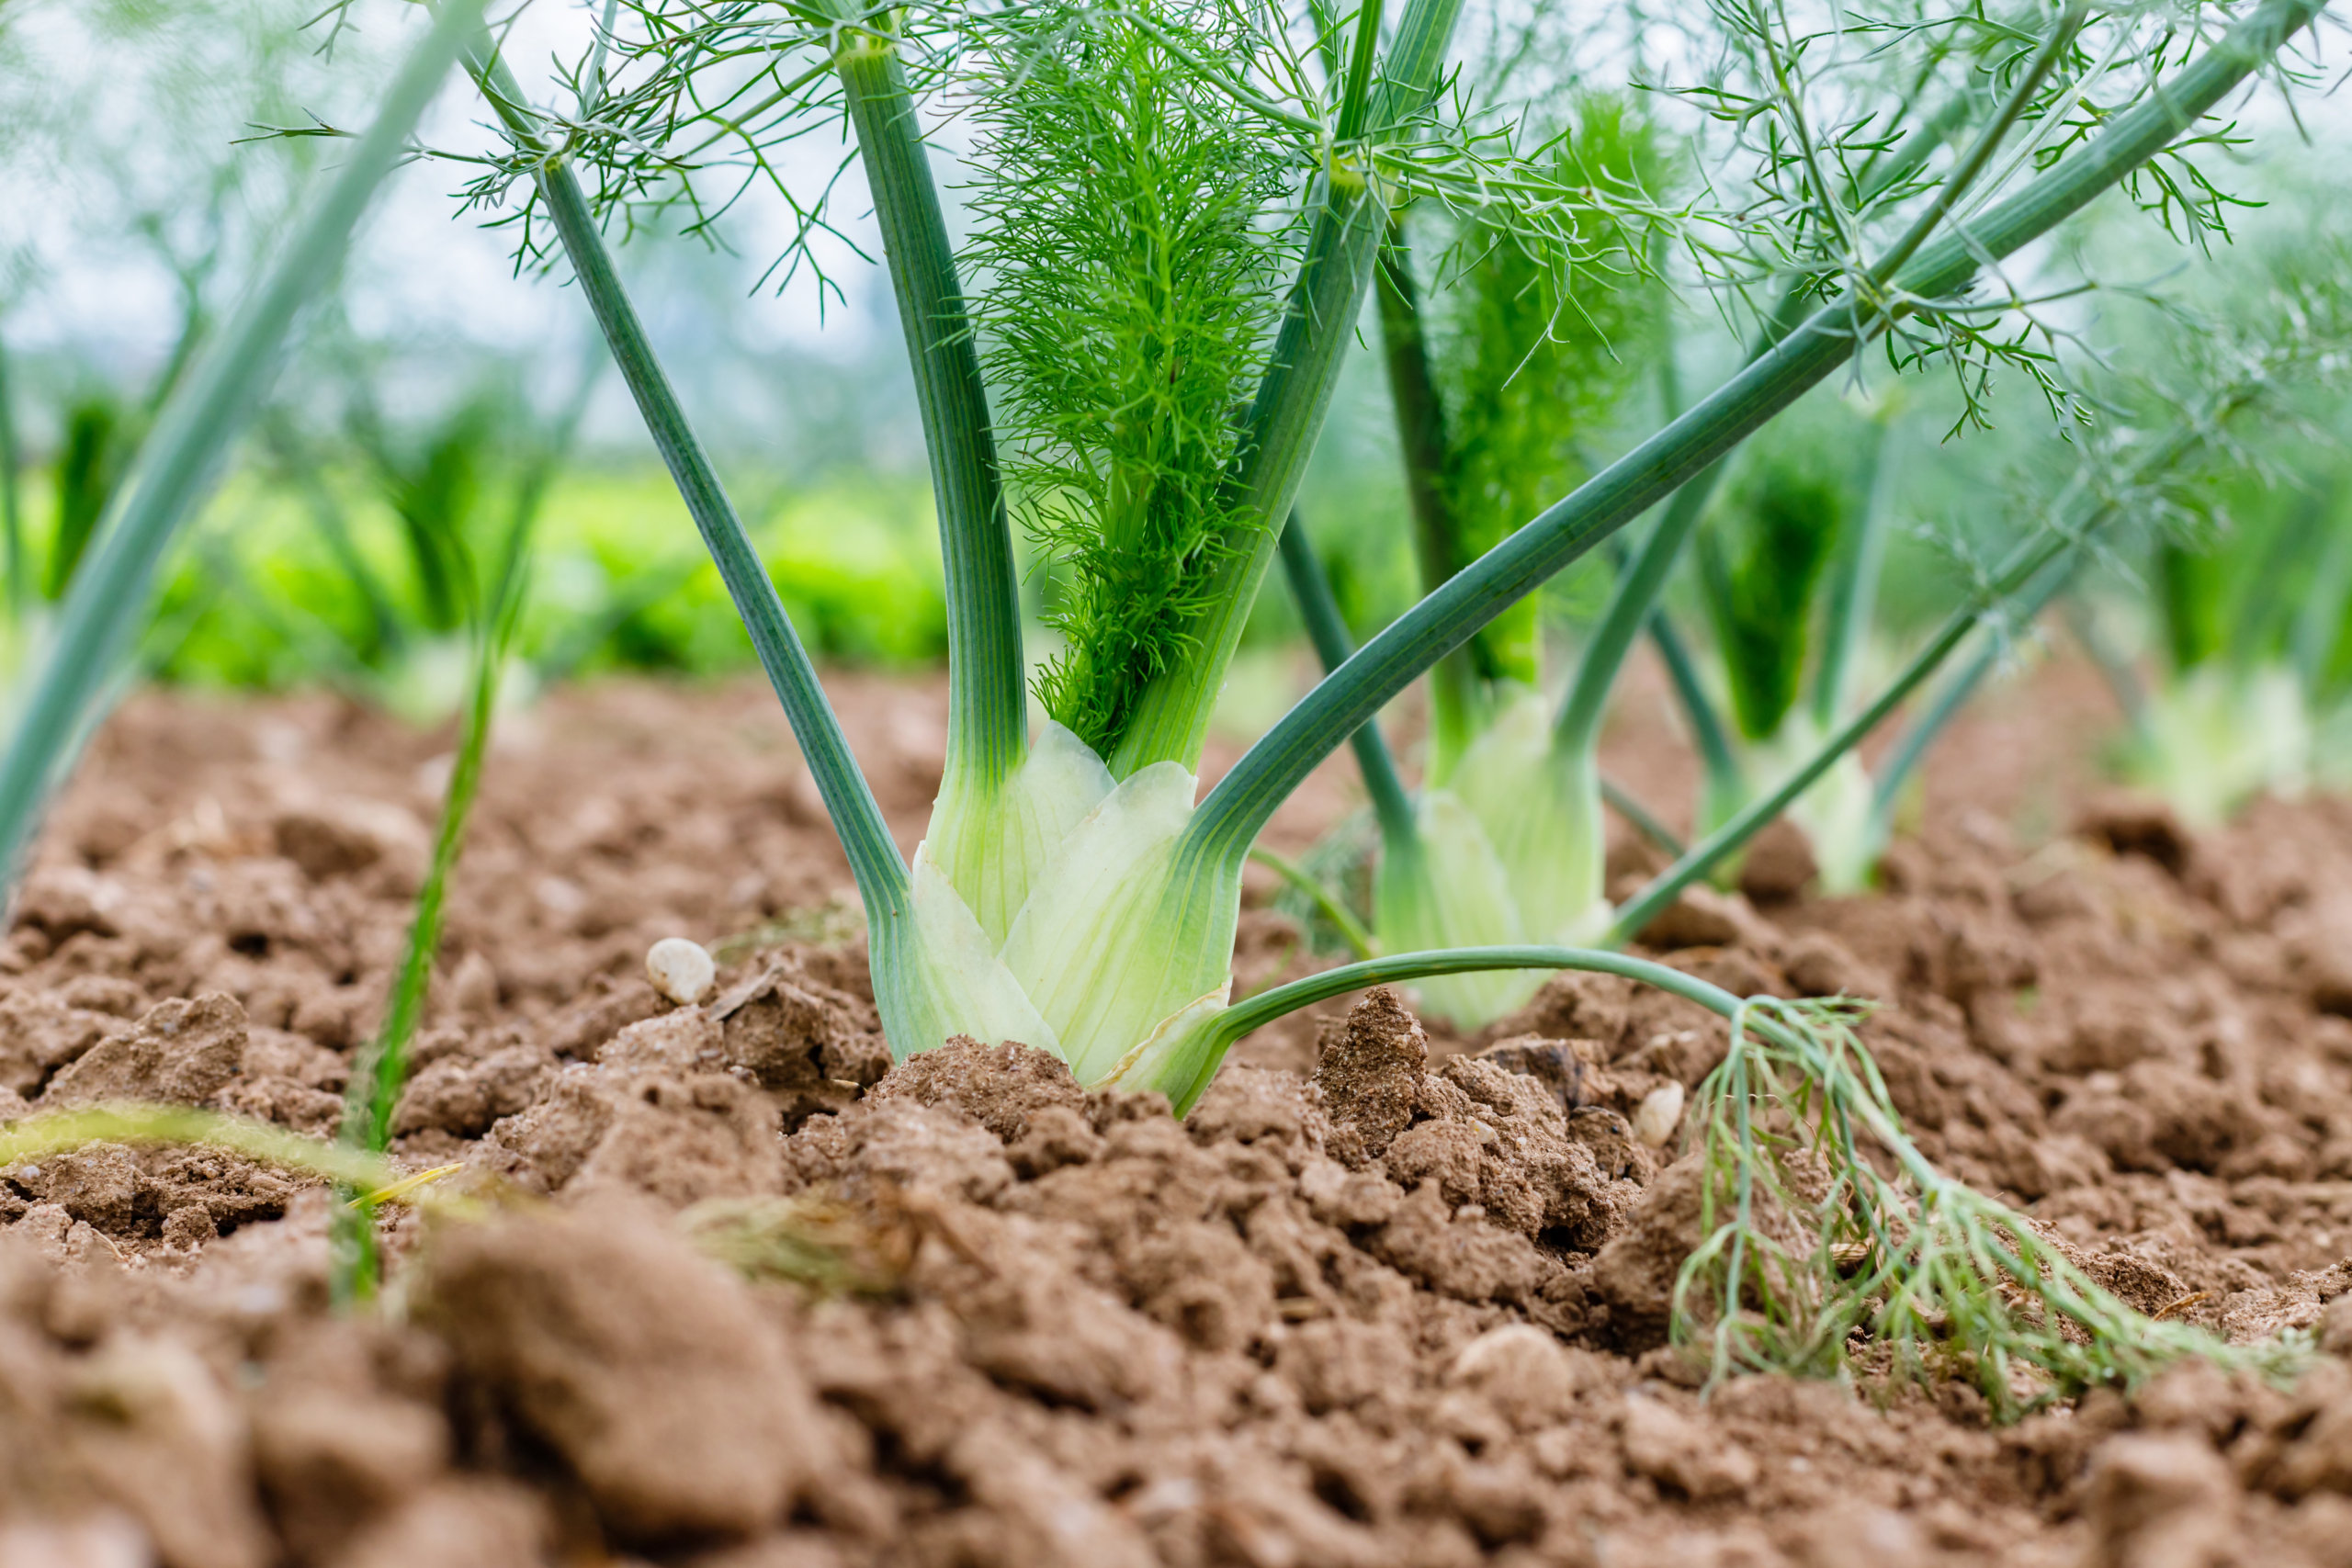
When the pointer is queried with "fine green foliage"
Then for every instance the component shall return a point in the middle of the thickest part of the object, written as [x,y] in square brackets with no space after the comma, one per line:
[95,449]
[1130,270]
[1761,561]
[1533,362]
[1820,1221]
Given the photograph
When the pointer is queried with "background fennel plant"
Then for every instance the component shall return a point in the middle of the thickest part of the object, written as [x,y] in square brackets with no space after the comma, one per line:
[1515,853]
[178,461]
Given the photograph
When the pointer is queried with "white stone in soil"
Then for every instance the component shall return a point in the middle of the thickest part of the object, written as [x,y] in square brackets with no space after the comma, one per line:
[680,970]
[1657,1116]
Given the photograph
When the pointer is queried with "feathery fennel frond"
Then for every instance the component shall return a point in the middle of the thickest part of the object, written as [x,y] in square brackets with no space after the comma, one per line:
[1535,350]
[1822,1225]
[1133,245]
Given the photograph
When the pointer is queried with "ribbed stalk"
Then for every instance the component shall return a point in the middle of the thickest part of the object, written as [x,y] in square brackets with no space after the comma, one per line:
[1170,722]
[987,709]
[1422,441]
[1231,814]
[182,455]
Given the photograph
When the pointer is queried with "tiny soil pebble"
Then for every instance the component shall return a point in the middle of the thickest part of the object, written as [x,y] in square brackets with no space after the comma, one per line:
[1658,1115]
[680,970]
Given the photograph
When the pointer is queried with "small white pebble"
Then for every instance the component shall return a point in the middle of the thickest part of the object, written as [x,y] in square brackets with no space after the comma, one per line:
[1657,1116]
[680,970]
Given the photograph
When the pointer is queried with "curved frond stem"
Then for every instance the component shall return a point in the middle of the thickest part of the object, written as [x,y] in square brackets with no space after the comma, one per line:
[881,873]
[1401,969]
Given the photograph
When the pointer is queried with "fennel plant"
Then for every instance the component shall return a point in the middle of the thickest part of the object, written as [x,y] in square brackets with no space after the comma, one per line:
[2249,606]
[1070,892]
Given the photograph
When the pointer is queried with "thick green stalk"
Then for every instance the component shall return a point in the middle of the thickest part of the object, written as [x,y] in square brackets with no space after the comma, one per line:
[1390,807]
[12,494]
[987,709]
[873,858]
[1721,782]
[1233,812]
[176,466]
[1853,588]
[1170,722]
[1355,100]
[1422,440]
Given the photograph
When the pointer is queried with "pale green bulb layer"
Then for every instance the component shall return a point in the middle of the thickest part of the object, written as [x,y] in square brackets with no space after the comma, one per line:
[1047,911]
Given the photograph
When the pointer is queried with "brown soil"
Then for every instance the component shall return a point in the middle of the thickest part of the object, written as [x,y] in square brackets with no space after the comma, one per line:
[1385,1298]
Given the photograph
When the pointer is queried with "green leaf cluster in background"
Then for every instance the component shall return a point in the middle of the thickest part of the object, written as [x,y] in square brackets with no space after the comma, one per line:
[1760,558]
